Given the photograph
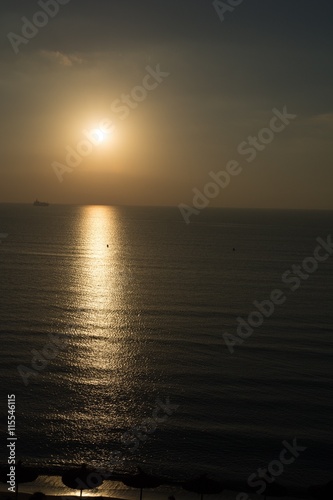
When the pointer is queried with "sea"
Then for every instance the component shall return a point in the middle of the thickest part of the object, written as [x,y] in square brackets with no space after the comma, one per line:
[121,339]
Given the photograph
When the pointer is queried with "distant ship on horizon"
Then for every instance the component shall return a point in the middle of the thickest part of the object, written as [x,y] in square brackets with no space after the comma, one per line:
[38,203]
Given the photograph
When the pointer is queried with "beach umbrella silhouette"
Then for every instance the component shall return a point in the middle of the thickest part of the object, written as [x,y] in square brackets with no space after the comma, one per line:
[321,491]
[203,486]
[274,490]
[82,479]
[142,480]
[38,495]
[22,475]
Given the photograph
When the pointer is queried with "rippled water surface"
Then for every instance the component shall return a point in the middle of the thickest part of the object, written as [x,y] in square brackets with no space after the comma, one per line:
[137,303]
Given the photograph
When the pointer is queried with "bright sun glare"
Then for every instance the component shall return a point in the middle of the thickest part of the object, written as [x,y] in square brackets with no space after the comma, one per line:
[99,134]
[103,133]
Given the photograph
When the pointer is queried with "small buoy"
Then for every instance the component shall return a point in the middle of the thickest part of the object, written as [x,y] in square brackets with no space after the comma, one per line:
[234,249]
[107,246]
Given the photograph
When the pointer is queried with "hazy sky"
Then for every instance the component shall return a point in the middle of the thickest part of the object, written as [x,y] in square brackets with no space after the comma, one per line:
[221,74]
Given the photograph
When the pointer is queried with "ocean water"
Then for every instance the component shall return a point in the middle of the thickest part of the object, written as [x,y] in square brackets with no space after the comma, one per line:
[136,304]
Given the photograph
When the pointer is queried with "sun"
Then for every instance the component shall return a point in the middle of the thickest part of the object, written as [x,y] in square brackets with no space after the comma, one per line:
[100,136]
[104,132]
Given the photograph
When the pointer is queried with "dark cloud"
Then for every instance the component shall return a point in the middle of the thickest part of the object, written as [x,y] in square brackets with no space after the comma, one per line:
[87,25]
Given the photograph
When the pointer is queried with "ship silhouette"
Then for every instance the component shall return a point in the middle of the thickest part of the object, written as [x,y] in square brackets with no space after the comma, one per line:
[38,203]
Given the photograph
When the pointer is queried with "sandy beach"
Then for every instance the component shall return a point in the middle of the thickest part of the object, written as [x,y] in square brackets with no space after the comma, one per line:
[53,488]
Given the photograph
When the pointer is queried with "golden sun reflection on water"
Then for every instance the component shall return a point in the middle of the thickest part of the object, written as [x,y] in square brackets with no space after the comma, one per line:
[100,300]
[100,269]
[104,360]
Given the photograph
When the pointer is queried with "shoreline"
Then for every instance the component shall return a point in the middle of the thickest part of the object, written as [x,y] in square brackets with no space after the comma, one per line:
[113,489]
